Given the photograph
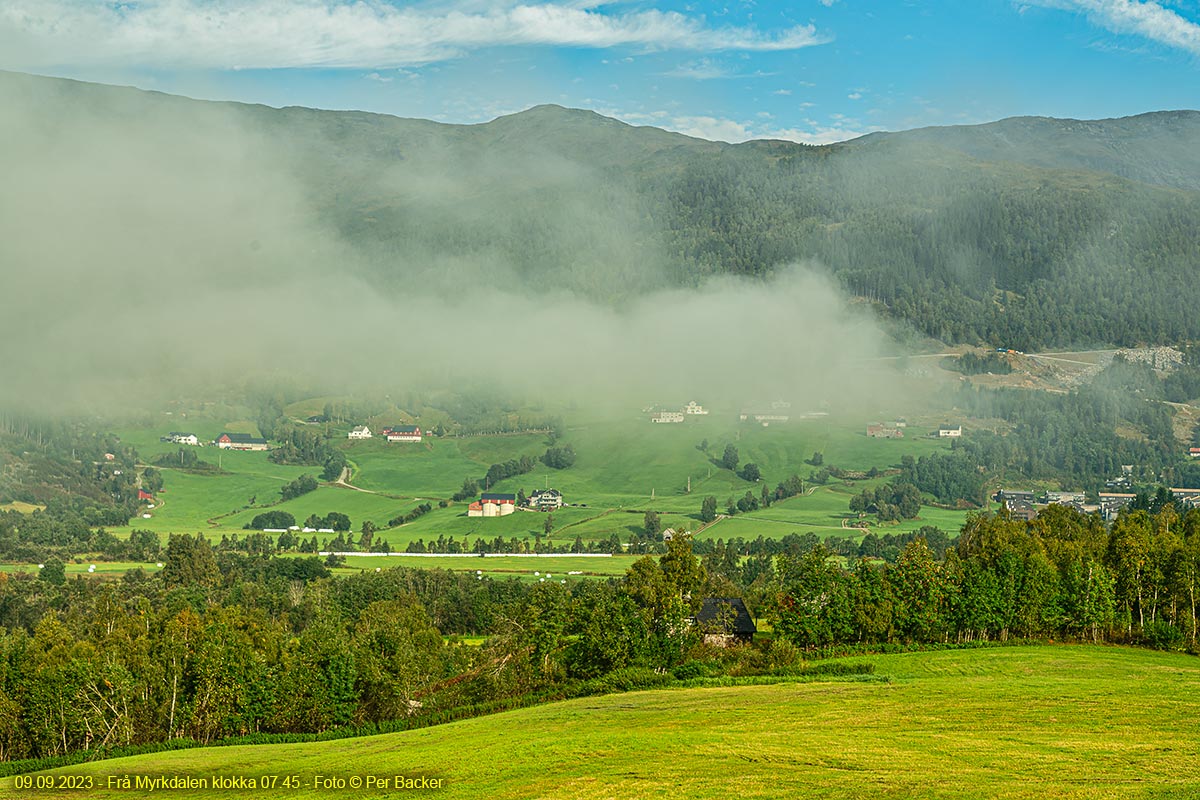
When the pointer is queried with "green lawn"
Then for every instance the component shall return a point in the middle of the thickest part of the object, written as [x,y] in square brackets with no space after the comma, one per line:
[1068,722]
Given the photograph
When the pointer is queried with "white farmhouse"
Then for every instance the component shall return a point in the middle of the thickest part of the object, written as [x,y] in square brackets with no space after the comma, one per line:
[361,432]
[694,408]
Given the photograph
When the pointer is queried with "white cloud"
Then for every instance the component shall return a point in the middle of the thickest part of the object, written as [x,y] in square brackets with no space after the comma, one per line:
[855,96]
[1148,19]
[712,128]
[783,92]
[718,129]
[230,34]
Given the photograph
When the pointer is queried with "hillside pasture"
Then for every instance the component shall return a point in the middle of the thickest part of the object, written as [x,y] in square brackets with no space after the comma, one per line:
[625,466]
[1068,722]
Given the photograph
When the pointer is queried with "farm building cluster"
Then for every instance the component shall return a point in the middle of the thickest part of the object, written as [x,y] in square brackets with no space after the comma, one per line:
[495,504]
[1026,505]
[885,431]
[393,433]
[226,441]
[692,409]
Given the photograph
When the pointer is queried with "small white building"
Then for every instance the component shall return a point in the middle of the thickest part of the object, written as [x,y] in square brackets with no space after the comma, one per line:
[694,408]
[361,432]
[178,437]
[946,432]
[667,416]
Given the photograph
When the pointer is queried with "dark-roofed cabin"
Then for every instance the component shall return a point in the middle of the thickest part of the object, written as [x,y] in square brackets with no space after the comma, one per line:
[724,621]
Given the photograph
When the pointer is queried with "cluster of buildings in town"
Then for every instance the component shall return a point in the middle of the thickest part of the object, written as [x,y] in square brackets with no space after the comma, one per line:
[393,433]
[1027,504]
[498,504]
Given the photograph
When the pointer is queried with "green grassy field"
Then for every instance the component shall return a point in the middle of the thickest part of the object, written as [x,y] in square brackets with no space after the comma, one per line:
[501,566]
[626,466]
[1068,722]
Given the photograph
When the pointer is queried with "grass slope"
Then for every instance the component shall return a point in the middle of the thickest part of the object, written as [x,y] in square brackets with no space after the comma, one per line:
[626,465]
[1071,723]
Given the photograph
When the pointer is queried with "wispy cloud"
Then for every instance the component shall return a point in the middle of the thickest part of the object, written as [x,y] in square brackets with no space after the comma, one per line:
[705,69]
[1147,19]
[263,34]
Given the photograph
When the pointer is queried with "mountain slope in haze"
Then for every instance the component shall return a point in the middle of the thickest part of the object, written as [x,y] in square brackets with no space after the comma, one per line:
[1160,148]
[1026,232]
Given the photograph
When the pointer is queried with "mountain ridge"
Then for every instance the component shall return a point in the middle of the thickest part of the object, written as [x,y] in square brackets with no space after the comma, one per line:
[1026,232]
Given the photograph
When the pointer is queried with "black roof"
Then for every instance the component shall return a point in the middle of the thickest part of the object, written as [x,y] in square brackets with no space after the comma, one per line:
[713,609]
[243,438]
[547,492]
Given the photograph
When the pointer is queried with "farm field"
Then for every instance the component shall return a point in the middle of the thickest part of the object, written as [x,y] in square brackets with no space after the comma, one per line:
[625,466]
[1069,722]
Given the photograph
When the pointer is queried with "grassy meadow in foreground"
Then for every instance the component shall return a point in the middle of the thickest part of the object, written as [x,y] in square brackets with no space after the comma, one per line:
[1067,722]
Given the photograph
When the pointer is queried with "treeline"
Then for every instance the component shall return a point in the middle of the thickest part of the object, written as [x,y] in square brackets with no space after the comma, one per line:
[38,537]
[1062,575]
[972,364]
[495,474]
[221,644]
[964,253]
[68,467]
[889,501]
[308,447]
[1070,437]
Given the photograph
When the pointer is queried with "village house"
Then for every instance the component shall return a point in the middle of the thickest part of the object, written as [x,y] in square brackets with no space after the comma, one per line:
[241,441]
[694,408]
[545,500]
[1194,452]
[492,504]
[884,432]
[1111,503]
[361,432]
[402,433]
[178,437]
[667,416]
[946,432]
[724,621]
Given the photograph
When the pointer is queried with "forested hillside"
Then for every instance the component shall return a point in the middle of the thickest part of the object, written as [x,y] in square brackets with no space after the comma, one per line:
[1028,233]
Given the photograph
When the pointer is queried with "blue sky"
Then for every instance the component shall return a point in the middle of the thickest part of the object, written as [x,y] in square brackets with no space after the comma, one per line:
[808,70]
